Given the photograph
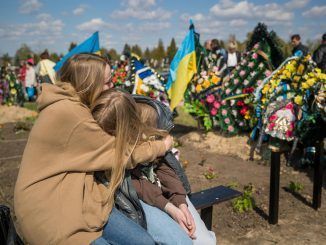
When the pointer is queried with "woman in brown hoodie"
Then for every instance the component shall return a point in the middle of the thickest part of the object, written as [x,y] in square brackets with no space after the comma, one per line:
[57,200]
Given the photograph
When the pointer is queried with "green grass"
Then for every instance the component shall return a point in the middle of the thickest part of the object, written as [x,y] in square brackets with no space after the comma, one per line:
[30,106]
[184,118]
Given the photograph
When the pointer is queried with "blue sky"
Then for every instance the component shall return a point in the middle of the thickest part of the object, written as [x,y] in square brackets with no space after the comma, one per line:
[53,24]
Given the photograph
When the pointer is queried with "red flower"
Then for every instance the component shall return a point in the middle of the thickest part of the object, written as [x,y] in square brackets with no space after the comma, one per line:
[273,117]
[289,106]
[210,98]
[240,103]
[289,133]
[243,110]
[271,126]
[213,111]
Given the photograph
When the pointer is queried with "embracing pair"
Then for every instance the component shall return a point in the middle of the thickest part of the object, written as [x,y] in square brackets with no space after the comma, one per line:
[86,136]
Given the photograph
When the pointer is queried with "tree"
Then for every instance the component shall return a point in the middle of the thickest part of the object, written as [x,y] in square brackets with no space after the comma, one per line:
[5,59]
[54,57]
[147,54]
[23,53]
[159,51]
[126,49]
[137,50]
[113,54]
[171,50]
[71,46]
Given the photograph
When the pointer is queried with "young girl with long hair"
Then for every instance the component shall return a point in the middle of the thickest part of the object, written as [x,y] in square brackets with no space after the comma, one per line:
[159,188]
[57,200]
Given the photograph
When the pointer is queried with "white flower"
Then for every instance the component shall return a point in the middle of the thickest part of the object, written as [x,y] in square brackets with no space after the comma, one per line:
[234,112]
[200,80]
[144,88]
[127,83]
[238,91]
[232,102]
[246,82]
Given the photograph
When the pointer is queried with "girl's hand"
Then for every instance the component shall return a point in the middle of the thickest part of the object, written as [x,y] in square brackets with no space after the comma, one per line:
[168,141]
[178,216]
[190,220]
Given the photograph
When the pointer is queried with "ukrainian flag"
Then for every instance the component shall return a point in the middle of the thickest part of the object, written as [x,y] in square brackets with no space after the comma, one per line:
[90,45]
[182,68]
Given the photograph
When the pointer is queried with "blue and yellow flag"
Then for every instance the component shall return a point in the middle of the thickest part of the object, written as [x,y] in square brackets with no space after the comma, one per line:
[90,45]
[182,68]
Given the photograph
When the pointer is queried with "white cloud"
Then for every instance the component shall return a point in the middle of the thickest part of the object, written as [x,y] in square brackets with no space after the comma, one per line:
[194,17]
[80,9]
[296,4]
[238,23]
[140,3]
[248,10]
[154,26]
[142,14]
[41,34]
[141,9]
[316,11]
[29,6]
[95,24]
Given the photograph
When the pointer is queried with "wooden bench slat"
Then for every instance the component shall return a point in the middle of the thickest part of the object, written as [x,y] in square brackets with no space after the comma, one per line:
[215,195]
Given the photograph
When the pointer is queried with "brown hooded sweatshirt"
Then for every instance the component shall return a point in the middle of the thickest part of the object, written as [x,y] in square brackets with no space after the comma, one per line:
[57,200]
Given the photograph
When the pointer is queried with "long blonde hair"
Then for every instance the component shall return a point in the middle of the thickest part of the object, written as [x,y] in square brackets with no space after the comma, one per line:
[118,114]
[86,73]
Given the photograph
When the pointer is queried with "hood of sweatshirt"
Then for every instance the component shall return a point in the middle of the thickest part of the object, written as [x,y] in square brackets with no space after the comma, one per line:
[53,93]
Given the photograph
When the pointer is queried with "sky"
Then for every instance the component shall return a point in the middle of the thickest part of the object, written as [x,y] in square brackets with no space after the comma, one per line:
[53,24]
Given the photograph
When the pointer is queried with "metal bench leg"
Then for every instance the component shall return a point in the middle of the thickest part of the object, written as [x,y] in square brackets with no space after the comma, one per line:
[206,215]
[318,176]
[274,188]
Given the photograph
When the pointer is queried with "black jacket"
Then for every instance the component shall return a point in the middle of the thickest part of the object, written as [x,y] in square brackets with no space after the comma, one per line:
[320,57]
[302,48]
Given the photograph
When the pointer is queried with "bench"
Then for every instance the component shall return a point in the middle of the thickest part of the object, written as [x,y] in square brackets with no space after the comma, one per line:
[8,233]
[205,199]
[202,200]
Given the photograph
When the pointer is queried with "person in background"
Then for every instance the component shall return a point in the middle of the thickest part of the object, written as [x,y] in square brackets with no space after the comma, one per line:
[207,45]
[233,56]
[44,69]
[217,57]
[30,81]
[298,48]
[319,55]
[22,73]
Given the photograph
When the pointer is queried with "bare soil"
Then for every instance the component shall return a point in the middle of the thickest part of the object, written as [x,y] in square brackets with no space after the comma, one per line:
[298,222]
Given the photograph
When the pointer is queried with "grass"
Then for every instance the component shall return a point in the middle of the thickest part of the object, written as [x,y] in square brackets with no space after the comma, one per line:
[184,118]
[30,106]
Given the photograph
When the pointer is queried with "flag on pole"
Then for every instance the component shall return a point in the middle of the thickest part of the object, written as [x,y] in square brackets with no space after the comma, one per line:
[90,45]
[182,68]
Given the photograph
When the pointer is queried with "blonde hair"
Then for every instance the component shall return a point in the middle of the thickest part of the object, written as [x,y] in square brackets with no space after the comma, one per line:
[117,114]
[86,73]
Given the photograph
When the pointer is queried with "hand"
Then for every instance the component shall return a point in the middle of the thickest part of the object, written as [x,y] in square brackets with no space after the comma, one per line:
[178,216]
[168,141]
[190,220]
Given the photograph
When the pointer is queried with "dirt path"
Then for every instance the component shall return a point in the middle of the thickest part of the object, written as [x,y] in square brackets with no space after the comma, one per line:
[298,223]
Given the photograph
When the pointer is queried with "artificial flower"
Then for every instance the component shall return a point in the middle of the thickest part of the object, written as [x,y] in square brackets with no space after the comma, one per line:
[298,100]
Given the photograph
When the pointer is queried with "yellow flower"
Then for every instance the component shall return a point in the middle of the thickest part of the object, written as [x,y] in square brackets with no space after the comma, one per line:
[298,100]
[300,69]
[311,82]
[295,85]
[265,89]
[263,100]
[317,70]
[322,76]
[305,85]
[13,91]
[296,78]
[206,84]
[247,115]
[215,79]
[199,88]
